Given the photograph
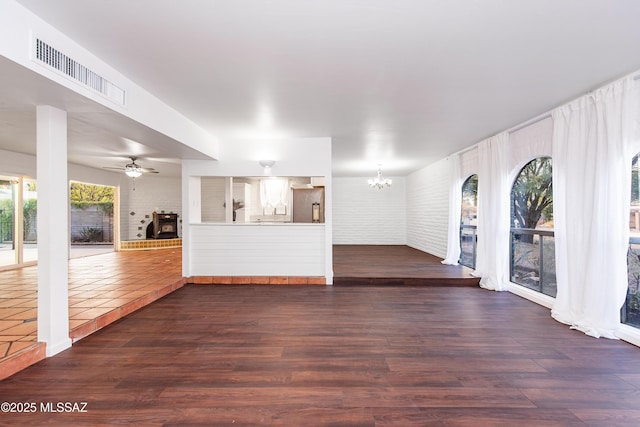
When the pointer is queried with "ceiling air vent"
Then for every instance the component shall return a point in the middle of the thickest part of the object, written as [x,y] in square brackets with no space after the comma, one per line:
[57,60]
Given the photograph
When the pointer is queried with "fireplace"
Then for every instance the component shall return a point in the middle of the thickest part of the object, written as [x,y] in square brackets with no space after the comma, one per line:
[165,226]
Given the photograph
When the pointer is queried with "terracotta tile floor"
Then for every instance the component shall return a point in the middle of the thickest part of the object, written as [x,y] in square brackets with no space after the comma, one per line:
[102,289]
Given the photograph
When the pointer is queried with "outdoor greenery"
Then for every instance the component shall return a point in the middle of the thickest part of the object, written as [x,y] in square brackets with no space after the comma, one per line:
[532,194]
[531,208]
[30,218]
[467,218]
[6,220]
[90,234]
[30,209]
[91,198]
[83,196]
[469,199]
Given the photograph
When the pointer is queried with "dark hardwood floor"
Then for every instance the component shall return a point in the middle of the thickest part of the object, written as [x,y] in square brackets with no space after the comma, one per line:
[395,265]
[342,356]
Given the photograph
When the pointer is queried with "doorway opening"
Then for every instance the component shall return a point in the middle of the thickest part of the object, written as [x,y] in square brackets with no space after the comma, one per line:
[92,221]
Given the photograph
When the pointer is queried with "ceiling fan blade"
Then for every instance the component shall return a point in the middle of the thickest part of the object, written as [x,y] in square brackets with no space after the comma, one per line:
[109,167]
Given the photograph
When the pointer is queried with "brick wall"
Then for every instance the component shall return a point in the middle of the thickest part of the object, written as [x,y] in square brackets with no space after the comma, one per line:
[366,216]
[152,193]
[427,208]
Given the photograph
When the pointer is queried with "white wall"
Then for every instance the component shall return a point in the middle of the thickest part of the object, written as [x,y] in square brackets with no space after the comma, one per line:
[17,28]
[427,208]
[152,193]
[368,216]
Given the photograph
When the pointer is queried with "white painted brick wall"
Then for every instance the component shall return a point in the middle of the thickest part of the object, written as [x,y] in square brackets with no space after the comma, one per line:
[366,216]
[152,193]
[427,208]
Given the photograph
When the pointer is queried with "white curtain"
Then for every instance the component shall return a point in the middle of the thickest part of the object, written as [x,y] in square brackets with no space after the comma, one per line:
[492,260]
[455,201]
[591,198]
[274,195]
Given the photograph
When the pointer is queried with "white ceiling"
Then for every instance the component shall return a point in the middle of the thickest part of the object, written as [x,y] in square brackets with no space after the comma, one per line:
[397,82]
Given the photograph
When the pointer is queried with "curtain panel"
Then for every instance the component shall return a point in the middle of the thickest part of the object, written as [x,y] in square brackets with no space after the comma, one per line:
[591,192]
[492,259]
[455,202]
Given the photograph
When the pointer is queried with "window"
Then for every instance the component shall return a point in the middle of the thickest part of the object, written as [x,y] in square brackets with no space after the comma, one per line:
[630,313]
[532,239]
[468,222]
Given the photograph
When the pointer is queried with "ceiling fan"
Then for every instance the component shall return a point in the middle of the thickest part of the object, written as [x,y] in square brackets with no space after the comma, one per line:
[133,169]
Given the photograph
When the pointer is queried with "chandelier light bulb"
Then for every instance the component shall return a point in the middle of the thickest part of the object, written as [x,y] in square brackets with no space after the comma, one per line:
[379,181]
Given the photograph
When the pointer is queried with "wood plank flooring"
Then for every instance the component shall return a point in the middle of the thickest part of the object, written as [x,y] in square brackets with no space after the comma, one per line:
[342,356]
[395,265]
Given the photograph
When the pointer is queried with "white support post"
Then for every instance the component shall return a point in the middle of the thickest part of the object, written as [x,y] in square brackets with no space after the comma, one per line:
[53,229]
[228,199]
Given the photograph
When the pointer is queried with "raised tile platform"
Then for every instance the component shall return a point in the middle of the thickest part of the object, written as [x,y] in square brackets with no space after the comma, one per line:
[136,245]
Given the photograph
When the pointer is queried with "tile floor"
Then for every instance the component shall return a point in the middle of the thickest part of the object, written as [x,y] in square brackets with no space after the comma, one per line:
[102,289]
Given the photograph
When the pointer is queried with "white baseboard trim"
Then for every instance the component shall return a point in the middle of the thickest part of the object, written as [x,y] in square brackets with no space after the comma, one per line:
[53,349]
[531,295]
[629,334]
[625,332]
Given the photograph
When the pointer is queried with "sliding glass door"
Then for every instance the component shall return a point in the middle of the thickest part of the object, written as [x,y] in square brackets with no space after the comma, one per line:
[18,221]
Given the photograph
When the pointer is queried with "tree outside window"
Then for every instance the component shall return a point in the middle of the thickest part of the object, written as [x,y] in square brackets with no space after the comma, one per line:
[532,238]
[468,222]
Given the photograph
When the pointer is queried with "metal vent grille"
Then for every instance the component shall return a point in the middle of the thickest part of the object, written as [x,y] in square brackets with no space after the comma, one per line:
[78,72]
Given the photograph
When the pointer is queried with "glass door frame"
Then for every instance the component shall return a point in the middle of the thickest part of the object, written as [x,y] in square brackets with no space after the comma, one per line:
[17,189]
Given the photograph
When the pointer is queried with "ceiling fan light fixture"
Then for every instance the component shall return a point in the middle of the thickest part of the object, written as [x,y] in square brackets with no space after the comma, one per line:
[133,170]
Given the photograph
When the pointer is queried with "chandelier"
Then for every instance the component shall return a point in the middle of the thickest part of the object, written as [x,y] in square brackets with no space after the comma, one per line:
[379,181]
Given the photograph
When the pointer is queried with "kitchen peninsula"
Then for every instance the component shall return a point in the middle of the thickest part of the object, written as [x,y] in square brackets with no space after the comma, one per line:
[268,241]
[259,230]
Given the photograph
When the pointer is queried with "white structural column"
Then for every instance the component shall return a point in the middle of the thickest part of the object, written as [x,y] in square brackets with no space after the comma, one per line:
[53,229]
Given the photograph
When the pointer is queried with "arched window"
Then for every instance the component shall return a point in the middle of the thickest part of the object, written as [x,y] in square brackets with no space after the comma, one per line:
[532,240]
[630,313]
[468,221]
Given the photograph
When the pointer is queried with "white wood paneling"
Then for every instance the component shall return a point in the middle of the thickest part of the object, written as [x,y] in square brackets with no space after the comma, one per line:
[257,249]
